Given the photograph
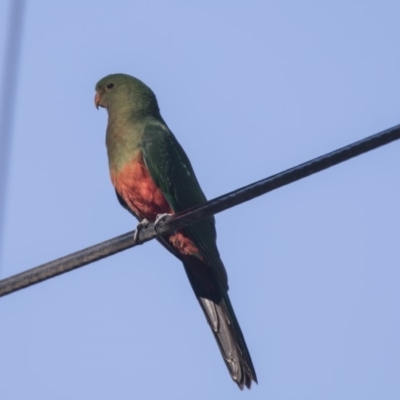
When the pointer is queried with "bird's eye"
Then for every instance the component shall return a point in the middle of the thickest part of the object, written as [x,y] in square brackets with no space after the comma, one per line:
[110,85]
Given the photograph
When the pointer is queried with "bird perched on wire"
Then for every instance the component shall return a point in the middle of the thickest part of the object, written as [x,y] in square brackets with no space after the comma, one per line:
[153,176]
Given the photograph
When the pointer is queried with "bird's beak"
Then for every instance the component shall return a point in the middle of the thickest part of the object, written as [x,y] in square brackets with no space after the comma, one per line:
[97,100]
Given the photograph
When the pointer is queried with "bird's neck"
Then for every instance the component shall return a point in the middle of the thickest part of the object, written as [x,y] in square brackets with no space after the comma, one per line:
[123,139]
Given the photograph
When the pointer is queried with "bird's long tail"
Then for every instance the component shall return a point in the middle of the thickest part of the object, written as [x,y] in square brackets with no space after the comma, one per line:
[220,315]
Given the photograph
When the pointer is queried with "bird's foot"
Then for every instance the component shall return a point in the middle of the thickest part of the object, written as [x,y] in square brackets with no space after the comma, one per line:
[142,224]
[161,218]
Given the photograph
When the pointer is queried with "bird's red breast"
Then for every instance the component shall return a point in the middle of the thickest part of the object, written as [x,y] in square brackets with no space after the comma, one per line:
[135,185]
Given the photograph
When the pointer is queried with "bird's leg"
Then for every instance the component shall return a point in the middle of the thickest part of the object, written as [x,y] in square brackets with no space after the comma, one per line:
[142,224]
[161,218]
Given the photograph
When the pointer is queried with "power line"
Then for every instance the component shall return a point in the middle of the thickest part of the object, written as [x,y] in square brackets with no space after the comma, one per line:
[178,221]
[7,105]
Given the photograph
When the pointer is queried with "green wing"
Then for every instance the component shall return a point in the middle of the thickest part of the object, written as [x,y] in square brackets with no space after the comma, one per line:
[172,172]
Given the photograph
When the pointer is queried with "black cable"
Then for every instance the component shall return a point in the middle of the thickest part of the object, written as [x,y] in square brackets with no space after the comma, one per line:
[7,105]
[123,242]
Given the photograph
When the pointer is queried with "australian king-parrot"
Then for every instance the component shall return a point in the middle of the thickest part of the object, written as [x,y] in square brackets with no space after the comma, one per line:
[152,175]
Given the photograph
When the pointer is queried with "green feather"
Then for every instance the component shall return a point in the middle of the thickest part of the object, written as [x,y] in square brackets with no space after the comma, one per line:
[172,172]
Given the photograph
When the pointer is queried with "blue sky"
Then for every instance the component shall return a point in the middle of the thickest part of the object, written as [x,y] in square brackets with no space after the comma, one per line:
[249,89]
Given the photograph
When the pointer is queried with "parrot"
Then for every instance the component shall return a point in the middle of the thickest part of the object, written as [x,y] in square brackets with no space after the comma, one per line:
[152,177]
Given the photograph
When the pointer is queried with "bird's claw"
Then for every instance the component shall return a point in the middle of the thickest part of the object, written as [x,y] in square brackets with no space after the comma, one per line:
[142,224]
[161,218]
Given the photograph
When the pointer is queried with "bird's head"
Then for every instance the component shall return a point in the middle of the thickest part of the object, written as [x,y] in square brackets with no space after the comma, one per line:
[119,92]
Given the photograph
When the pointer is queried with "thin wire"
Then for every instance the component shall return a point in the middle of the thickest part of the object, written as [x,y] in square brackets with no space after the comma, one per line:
[126,241]
[7,105]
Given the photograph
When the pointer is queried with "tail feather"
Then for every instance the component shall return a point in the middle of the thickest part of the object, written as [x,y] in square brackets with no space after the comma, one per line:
[227,333]
[224,325]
